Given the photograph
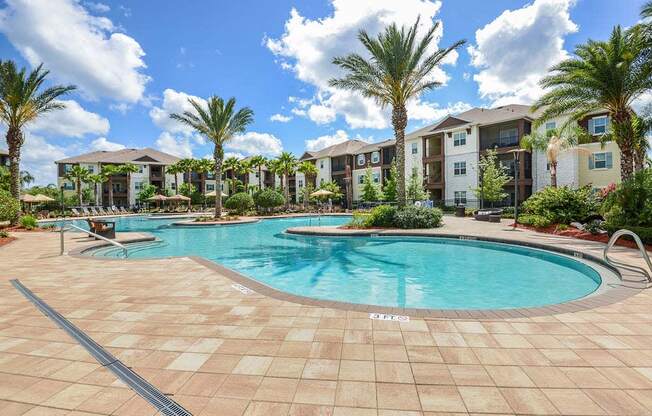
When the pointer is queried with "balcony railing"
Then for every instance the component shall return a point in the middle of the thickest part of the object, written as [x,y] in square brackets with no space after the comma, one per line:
[500,142]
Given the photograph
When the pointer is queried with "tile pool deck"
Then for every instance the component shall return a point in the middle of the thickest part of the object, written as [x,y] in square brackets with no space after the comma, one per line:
[183,327]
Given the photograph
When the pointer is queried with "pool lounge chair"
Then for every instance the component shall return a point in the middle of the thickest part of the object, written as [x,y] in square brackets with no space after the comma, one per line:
[75,212]
[123,210]
[114,209]
[94,212]
[103,228]
[488,214]
[101,211]
[86,212]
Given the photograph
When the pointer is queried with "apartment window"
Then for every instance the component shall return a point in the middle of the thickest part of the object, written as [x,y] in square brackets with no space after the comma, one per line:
[300,183]
[116,187]
[141,168]
[459,168]
[210,187]
[508,137]
[210,175]
[551,125]
[69,186]
[321,164]
[91,169]
[173,186]
[361,160]
[375,157]
[67,167]
[257,176]
[415,148]
[138,186]
[376,177]
[360,179]
[598,125]
[459,138]
[321,181]
[601,160]
[460,197]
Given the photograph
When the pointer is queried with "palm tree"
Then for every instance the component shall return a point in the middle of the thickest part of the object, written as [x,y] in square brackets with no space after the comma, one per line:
[310,172]
[287,165]
[25,178]
[607,75]
[96,180]
[108,171]
[257,162]
[78,175]
[187,165]
[400,69]
[245,169]
[204,166]
[128,169]
[273,167]
[21,102]
[219,122]
[232,164]
[175,169]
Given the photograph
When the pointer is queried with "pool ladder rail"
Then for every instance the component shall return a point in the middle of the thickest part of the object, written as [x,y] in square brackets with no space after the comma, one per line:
[641,249]
[68,227]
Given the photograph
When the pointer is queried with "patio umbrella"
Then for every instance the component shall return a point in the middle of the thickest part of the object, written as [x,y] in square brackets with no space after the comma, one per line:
[214,194]
[322,192]
[42,198]
[28,200]
[158,199]
[180,198]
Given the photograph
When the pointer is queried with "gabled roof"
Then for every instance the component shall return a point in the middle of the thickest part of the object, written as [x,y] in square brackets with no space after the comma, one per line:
[146,155]
[373,147]
[347,147]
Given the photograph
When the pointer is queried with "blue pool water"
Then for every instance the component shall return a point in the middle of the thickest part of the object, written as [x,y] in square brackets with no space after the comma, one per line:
[390,271]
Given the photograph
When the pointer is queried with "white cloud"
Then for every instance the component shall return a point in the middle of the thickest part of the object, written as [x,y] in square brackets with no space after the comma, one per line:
[280,118]
[102,143]
[98,7]
[180,147]
[77,47]
[71,121]
[323,142]
[173,102]
[514,51]
[227,155]
[307,47]
[38,156]
[252,143]
[431,112]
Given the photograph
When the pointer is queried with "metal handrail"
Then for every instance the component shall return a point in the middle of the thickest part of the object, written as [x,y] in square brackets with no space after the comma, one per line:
[115,243]
[641,249]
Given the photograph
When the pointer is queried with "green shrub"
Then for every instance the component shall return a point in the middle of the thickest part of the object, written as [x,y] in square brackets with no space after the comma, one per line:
[28,222]
[4,234]
[538,221]
[593,227]
[418,217]
[9,206]
[630,203]
[240,202]
[562,205]
[269,198]
[359,220]
[381,216]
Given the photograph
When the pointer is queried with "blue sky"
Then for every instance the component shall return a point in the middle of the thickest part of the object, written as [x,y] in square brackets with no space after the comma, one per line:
[135,61]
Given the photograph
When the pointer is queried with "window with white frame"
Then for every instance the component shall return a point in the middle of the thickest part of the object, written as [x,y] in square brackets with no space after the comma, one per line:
[598,125]
[141,168]
[459,138]
[460,197]
[210,187]
[551,125]
[361,160]
[69,186]
[376,177]
[67,167]
[138,186]
[360,179]
[321,164]
[91,169]
[415,148]
[300,183]
[601,160]
[173,186]
[508,137]
[459,168]
[375,157]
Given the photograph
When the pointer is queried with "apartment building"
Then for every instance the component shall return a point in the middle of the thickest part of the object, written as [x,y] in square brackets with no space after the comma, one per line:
[4,158]
[152,166]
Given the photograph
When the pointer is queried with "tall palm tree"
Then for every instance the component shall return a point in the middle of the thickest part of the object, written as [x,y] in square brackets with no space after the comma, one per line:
[310,172]
[96,180]
[22,100]
[108,171]
[219,122]
[245,169]
[232,164]
[25,178]
[204,166]
[78,175]
[187,165]
[257,162]
[287,165]
[603,75]
[175,169]
[400,69]
[273,167]
[128,169]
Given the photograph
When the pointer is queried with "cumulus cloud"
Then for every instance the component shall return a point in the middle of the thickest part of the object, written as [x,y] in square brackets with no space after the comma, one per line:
[77,47]
[227,155]
[98,7]
[510,68]
[71,121]
[177,146]
[327,140]
[307,48]
[280,118]
[38,156]
[430,112]
[252,143]
[102,143]
[173,102]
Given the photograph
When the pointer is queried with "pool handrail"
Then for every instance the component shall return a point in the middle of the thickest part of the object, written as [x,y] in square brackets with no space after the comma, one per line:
[115,243]
[641,249]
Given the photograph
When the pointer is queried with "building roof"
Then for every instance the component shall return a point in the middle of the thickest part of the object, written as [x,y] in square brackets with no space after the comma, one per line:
[373,147]
[347,147]
[147,155]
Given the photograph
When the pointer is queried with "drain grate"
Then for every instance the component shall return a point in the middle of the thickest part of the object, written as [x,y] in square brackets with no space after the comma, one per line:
[142,387]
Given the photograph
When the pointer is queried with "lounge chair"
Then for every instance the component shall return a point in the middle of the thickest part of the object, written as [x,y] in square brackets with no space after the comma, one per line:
[105,229]
[75,212]
[94,212]
[86,212]
[488,214]
[101,211]
[123,210]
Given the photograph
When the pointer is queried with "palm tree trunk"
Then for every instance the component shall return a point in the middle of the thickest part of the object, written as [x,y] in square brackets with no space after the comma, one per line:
[260,177]
[626,163]
[110,183]
[286,189]
[95,185]
[14,141]
[553,174]
[79,192]
[399,122]
[128,189]
[218,187]
[639,160]
[176,183]
[622,123]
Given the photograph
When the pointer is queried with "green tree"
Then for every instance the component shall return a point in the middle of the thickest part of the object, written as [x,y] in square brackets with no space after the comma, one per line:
[187,165]
[257,162]
[370,191]
[145,193]
[108,171]
[96,180]
[23,100]
[204,166]
[219,122]
[175,169]
[333,187]
[400,69]
[245,169]
[128,169]
[232,164]
[415,191]
[287,165]
[187,189]
[78,175]
[493,178]
[603,75]
[310,172]
[389,190]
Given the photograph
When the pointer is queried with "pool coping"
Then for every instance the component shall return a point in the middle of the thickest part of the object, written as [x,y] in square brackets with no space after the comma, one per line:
[605,294]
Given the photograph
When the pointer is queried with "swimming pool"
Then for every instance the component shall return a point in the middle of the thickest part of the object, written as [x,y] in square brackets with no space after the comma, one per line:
[409,272]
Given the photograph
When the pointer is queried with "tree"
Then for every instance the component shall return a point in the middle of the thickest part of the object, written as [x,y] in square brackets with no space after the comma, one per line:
[108,171]
[78,175]
[175,169]
[187,165]
[641,127]
[128,169]
[219,122]
[257,162]
[389,190]
[310,172]
[493,178]
[415,191]
[22,100]
[232,164]
[245,169]
[287,165]
[146,193]
[333,187]
[97,179]
[603,75]
[187,189]
[400,69]
[370,191]
[25,178]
